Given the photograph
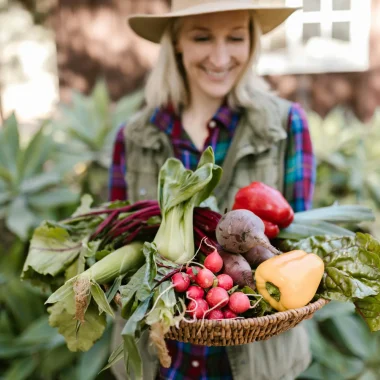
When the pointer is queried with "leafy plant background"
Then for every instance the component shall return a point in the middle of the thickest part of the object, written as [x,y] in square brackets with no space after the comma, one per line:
[69,155]
[43,178]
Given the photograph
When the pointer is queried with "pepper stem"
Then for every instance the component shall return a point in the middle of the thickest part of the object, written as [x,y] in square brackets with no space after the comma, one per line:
[273,290]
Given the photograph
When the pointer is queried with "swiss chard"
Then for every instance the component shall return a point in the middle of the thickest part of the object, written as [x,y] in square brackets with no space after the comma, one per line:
[352,271]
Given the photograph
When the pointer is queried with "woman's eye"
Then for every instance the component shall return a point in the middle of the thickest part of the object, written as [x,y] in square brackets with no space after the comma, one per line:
[236,39]
[201,38]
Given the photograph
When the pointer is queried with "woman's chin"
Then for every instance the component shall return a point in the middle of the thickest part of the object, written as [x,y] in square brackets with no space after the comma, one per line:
[217,92]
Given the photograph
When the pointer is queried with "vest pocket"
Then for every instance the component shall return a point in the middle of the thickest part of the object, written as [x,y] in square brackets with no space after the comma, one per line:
[142,185]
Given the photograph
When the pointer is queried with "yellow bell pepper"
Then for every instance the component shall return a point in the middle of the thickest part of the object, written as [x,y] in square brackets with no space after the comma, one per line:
[290,280]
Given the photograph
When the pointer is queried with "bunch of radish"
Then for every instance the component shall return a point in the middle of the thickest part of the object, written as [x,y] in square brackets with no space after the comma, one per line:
[208,291]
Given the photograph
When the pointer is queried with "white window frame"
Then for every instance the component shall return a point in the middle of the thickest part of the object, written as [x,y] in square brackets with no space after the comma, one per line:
[321,54]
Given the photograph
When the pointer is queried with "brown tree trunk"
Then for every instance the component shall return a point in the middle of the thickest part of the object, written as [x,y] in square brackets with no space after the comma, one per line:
[94,41]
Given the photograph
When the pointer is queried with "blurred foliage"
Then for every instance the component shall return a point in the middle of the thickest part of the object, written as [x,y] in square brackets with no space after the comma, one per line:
[32,186]
[85,132]
[348,153]
[343,347]
[43,178]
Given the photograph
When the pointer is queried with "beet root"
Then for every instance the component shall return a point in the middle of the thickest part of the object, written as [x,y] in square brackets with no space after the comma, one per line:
[258,254]
[237,267]
[240,230]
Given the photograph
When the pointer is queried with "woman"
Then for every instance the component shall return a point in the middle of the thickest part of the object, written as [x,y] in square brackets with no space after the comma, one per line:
[203,92]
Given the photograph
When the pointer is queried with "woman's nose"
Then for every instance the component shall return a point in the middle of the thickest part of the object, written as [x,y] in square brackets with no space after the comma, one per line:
[219,55]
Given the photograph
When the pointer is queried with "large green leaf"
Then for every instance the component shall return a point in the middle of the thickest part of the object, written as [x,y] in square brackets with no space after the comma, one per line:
[10,145]
[40,182]
[92,361]
[53,198]
[89,332]
[37,152]
[20,219]
[51,252]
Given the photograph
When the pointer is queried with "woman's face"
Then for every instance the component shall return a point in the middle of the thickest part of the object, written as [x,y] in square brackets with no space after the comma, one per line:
[215,50]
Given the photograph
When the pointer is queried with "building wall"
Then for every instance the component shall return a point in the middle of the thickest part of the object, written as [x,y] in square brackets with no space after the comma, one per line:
[323,92]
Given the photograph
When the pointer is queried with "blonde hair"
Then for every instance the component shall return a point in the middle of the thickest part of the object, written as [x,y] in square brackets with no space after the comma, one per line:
[166,82]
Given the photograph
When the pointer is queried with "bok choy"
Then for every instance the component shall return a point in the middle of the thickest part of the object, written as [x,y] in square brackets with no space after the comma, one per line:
[179,191]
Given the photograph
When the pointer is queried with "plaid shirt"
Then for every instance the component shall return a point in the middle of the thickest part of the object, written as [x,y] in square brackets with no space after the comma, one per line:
[211,363]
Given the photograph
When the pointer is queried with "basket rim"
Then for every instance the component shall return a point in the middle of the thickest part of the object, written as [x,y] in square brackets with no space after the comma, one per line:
[263,320]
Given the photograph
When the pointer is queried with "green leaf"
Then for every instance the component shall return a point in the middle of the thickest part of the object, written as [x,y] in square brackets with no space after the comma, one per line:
[353,334]
[88,333]
[328,356]
[92,361]
[21,369]
[10,146]
[116,355]
[51,252]
[20,218]
[101,299]
[131,331]
[85,205]
[336,214]
[6,176]
[111,292]
[40,181]
[129,290]
[36,153]
[369,309]
[352,265]
[145,288]
[300,230]
[53,198]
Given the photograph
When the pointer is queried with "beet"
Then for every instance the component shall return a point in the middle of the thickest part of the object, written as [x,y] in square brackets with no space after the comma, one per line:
[258,254]
[237,267]
[240,230]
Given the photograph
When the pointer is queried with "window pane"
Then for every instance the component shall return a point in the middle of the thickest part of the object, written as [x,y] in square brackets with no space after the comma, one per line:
[311,5]
[341,5]
[311,30]
[341,31]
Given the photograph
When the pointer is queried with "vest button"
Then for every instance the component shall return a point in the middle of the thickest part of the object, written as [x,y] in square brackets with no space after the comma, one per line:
[195,363]
[142,192]
[212,124]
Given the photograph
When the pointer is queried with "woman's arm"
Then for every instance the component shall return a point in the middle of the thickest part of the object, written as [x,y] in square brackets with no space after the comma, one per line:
[300,164]
[117,185]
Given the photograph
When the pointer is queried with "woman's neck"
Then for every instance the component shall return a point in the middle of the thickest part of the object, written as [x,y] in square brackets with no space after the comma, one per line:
[196,116]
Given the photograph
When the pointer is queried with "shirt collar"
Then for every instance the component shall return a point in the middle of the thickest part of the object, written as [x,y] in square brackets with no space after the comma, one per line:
[165,117]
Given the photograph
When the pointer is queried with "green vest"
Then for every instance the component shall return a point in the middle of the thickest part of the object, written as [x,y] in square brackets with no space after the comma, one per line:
[256,153]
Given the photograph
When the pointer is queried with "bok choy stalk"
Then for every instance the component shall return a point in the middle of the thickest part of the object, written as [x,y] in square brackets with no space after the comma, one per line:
[179,191]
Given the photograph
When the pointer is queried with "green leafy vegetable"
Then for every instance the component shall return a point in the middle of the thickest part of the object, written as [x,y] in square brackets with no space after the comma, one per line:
[352,271]
[179,191]
[90,331]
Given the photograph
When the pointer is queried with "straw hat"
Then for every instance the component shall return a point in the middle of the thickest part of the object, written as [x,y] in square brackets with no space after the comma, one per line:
[270,14]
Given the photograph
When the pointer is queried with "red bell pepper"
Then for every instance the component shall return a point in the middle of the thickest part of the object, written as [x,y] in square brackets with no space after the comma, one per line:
[271,229]
[266,202]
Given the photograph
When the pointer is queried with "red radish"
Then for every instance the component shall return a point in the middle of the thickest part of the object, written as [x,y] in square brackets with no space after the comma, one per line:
[204,278]
[217,297]
[195,292]
[216,314]
[192,272]
[214,262]
[239,303]
[225,281]
[181,282]
[197,308]
[229,314]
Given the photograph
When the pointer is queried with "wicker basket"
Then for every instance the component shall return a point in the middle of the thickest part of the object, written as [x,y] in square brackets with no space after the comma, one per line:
[230,332]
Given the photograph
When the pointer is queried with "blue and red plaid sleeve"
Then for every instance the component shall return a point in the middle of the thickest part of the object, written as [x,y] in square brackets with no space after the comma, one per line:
[300,165]
[117,185]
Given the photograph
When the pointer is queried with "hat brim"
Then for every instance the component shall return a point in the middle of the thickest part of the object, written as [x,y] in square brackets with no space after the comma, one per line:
[151,27]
